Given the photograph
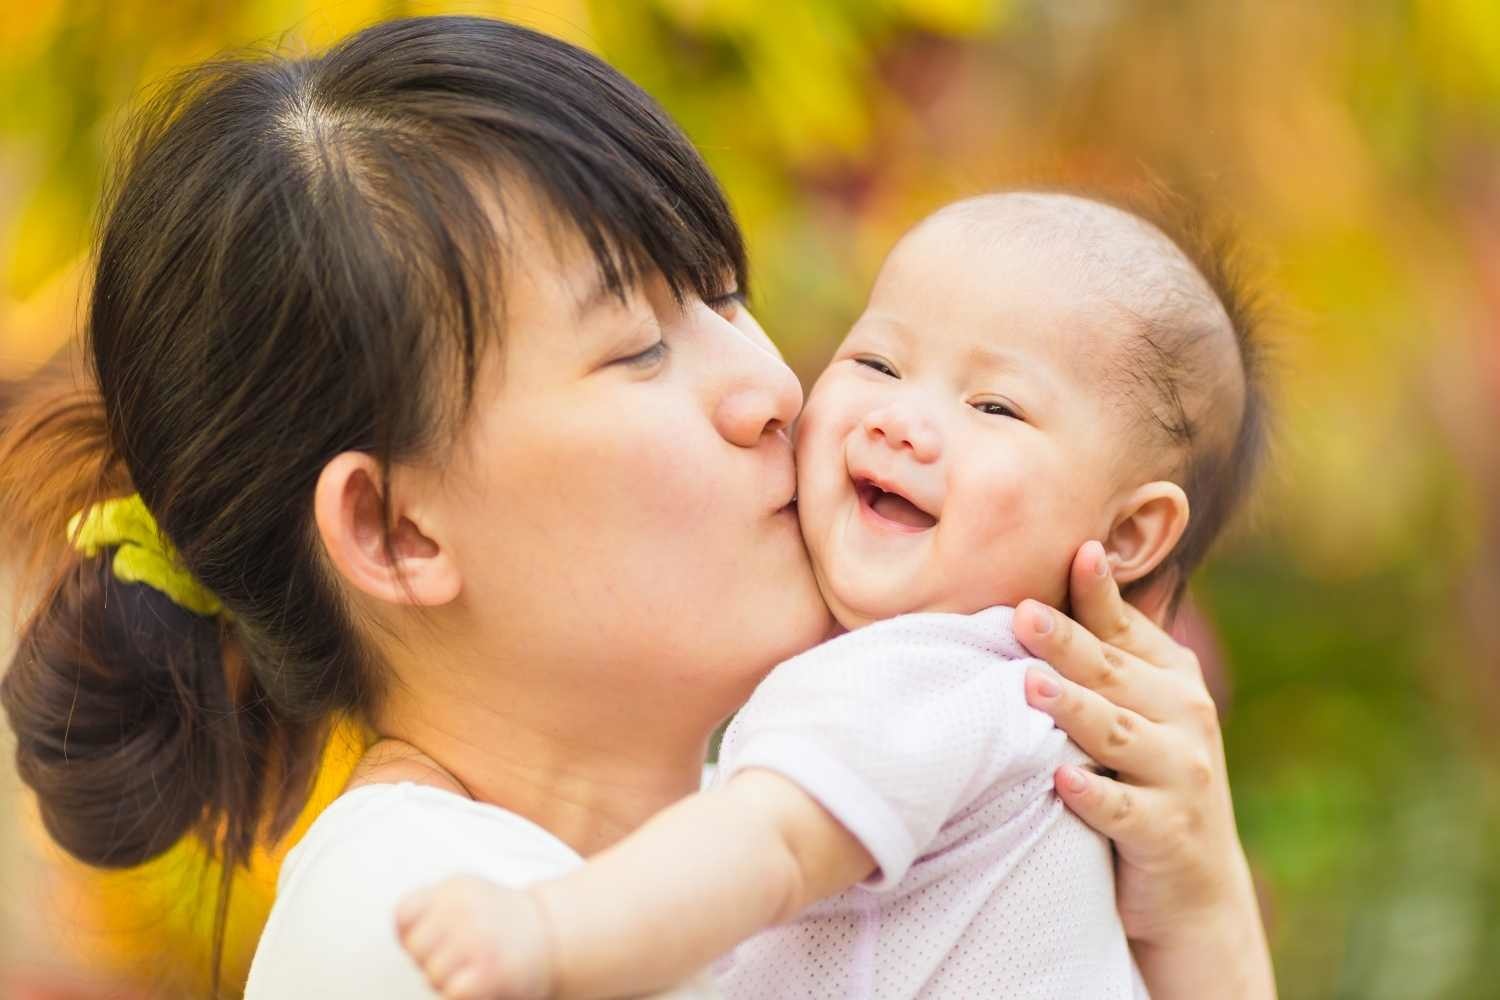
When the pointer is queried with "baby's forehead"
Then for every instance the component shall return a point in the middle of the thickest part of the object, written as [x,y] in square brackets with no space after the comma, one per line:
[1023,271]
[1119,271]
[1096,249]
[1123,302]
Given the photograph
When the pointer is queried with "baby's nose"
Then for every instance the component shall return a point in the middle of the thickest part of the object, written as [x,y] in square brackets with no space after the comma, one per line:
[902,428]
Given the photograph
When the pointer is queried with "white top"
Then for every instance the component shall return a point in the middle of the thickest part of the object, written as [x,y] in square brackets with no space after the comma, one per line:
[332,929]
[331,934]
[915,734]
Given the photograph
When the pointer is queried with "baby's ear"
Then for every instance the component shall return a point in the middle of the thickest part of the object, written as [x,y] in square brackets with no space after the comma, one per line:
[1148,525]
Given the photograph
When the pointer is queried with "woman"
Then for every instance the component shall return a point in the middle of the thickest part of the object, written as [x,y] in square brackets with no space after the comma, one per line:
[431,357]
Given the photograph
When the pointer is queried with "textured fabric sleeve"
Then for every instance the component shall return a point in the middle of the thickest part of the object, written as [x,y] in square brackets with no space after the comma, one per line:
[897,726]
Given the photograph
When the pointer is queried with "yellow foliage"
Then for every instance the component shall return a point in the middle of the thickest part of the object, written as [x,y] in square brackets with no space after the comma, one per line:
[1356,145]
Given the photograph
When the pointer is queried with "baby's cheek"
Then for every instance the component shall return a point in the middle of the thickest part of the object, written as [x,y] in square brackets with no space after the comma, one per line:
[996,510]
[819,442]
[1008,545]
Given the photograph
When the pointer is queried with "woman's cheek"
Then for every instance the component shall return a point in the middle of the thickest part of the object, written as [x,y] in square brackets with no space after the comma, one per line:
[670,479]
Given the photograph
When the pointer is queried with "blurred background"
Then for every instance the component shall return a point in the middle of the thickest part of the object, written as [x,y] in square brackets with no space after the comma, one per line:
[1353,621]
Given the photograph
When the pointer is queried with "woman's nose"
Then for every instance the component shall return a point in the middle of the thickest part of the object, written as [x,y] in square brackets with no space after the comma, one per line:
[760,394]
[905,429]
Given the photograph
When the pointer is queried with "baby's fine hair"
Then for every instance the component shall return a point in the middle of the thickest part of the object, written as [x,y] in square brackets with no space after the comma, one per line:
[1195,373]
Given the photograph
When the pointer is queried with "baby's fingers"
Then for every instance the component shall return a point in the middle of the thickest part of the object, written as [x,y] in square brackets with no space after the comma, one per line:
[421,935]
[446,966]
[428,931]
[467,983]
[411,908]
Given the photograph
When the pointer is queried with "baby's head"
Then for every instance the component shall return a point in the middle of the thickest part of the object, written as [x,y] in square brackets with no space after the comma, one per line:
[1032,371]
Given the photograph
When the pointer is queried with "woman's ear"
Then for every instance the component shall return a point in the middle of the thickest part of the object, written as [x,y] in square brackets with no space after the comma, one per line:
[346,506]
[1148,526]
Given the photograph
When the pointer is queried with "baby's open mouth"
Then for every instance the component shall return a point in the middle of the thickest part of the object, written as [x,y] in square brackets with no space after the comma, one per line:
[893,506]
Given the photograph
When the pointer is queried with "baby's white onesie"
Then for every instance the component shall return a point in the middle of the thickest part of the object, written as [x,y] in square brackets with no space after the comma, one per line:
[915,734]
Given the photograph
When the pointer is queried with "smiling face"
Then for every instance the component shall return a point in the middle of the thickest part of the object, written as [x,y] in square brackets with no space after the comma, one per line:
[961,445]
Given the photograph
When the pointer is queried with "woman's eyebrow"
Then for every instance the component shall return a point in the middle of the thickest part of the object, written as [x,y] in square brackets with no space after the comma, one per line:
[598,296]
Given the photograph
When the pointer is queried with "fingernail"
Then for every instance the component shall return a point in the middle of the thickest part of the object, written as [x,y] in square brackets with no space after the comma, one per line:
[1073,779]
[1046,687]
[1101,563]
[1043,623]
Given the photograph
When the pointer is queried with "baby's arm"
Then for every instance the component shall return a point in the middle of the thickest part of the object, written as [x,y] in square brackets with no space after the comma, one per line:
[697,879]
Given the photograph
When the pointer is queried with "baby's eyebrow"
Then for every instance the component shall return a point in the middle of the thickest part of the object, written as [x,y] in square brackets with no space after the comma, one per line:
[1041,374]
[885,325]
[987,356]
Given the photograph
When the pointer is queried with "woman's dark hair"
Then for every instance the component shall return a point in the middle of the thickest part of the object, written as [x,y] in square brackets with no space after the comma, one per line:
[294,259]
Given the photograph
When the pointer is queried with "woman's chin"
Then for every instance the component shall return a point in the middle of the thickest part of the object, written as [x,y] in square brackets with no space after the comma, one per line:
[816,625]
[800,621]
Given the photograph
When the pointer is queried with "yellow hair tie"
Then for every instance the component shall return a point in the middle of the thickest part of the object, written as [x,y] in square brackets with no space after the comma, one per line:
[142,553]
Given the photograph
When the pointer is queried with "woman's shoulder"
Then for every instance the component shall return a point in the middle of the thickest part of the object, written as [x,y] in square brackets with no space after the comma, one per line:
[384,830]
[331,931]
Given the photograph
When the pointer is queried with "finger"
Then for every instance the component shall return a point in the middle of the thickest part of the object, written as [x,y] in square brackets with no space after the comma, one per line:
[1119,811]
[1116,737]
[466,984]
[1097,606]
[1050,635]
[411,908]
[1128,682]
[1074,652]
[423,937]
[1094,595]
[444,964]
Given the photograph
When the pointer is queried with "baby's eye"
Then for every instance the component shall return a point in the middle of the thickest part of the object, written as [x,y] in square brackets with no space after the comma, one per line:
[877,365]
[997,408]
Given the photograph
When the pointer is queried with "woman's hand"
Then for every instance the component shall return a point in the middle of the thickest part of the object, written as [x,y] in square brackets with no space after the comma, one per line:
[1135,701]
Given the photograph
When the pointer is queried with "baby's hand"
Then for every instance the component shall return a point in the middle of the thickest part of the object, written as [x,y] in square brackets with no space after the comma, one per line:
[475,940]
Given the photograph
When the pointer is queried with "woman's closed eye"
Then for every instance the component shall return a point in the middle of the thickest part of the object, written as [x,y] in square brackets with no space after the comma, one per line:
[645,359]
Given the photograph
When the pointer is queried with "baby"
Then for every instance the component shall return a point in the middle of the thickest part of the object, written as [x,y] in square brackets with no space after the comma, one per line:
[1032,371]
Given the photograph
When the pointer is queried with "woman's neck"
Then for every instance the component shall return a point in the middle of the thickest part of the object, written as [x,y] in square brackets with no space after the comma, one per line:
[589,778]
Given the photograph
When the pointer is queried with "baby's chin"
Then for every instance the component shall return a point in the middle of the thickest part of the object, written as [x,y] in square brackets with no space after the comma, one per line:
[856,603]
